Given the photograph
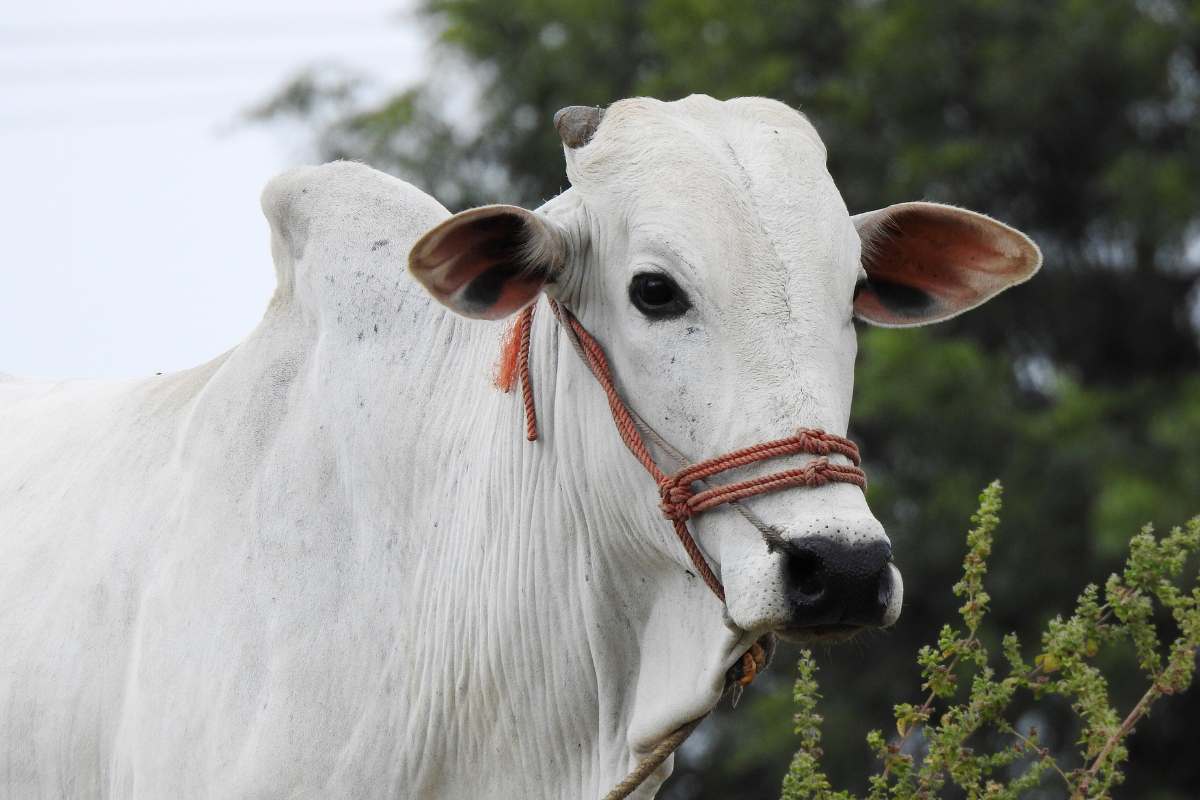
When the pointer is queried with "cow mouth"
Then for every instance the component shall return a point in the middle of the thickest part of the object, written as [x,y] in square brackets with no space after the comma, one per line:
[825,634]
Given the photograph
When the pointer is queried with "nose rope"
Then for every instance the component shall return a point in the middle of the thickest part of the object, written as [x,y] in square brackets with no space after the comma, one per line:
[679,501]
[770,534]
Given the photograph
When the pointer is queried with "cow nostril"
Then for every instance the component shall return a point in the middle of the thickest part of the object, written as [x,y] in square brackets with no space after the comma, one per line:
[804,574]
[884,597]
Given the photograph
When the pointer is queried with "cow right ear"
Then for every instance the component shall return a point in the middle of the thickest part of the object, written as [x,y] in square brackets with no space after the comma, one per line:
[488,262]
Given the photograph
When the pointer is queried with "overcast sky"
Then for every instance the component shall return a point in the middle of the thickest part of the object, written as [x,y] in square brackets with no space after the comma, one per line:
[130,229]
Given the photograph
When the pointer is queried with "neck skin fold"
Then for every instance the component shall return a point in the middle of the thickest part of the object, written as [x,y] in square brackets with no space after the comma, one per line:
[556,623]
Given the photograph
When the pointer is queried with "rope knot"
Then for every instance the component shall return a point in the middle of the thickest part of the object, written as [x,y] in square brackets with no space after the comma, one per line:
[675,498]
[823,443]
[811,441]
[818,473]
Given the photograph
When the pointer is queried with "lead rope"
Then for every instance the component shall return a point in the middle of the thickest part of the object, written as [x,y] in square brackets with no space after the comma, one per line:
[679,502]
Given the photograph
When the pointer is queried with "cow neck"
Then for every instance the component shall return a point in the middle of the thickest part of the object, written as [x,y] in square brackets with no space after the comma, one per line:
[679,500]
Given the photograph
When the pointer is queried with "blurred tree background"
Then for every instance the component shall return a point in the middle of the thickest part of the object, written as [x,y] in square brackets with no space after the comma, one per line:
[1076,121]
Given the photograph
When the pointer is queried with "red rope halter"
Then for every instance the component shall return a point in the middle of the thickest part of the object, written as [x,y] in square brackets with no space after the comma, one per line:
[679,501]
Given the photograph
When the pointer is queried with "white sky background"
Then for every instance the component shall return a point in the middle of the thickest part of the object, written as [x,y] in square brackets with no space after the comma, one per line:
[131,240]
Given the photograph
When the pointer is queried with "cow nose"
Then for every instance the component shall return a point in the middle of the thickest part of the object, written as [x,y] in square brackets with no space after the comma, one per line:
[836,583]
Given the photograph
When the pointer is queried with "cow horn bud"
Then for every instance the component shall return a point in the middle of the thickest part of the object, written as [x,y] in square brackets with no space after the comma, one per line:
[576,125]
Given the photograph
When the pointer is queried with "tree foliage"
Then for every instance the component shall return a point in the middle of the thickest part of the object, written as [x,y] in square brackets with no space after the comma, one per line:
[972,745]
[1077,121]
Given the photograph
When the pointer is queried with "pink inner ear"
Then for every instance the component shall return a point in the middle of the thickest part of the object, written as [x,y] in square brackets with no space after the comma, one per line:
[461,250]
[477,262]
[941,260]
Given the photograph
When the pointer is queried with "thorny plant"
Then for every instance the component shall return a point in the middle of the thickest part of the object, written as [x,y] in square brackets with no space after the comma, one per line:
[1064,667]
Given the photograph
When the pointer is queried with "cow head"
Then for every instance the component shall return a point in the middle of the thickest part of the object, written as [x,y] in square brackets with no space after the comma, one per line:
[707,248]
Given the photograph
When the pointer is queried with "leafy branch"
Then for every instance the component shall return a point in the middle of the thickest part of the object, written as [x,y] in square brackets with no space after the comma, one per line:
[1065,667]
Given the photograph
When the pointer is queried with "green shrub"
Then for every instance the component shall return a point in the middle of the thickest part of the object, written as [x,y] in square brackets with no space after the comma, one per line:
[958,736]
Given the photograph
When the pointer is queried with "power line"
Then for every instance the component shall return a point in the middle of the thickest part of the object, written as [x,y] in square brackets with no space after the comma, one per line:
[243,49]
[117,114]
[160,31]
[218,64]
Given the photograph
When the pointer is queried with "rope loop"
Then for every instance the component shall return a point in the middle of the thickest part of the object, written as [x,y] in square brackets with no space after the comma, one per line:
[679,503]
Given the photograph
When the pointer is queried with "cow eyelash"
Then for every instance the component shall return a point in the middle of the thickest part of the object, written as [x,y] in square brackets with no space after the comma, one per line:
[657,296]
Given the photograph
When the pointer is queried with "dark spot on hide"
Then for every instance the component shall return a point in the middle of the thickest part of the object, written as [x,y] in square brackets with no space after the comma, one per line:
[378,244]
[901,299]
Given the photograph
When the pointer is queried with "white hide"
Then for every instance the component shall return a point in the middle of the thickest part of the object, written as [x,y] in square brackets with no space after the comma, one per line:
[327,564]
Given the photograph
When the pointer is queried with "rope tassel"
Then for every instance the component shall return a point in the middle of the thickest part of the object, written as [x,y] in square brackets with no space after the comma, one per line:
[525,323]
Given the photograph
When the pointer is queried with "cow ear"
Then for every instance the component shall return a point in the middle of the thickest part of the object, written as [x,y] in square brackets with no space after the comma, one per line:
[488,262]
[927,262]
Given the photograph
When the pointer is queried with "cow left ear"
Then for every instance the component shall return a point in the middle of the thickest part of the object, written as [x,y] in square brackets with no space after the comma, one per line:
[928,262]
[488,262]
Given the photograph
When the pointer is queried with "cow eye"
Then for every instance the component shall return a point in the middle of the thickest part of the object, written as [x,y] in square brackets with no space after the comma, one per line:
[657,296]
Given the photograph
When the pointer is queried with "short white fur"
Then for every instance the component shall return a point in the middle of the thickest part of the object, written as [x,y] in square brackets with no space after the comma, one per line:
[327,564]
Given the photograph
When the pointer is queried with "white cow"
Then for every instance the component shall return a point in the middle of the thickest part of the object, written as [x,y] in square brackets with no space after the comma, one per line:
[327,564]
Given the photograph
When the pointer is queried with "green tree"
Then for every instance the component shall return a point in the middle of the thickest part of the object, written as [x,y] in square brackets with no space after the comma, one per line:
[1077,121]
